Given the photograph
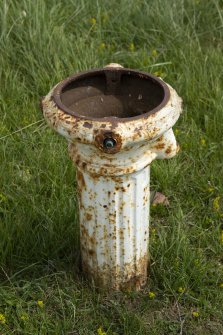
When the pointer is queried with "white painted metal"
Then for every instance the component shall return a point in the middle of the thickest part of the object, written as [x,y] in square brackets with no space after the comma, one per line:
[113,189]
[114,215]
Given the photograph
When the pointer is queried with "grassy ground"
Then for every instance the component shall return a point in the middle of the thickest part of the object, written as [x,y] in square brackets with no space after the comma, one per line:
[41,289]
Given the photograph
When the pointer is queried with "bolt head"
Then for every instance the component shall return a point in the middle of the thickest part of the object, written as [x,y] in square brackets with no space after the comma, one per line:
[109,142]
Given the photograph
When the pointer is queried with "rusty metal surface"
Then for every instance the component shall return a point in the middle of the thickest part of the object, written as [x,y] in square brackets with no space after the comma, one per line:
[111,82]
[87,131]
[112,155]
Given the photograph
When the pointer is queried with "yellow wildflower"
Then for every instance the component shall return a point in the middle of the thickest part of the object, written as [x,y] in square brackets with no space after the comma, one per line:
[181,290]
[221,285]
[24,317]
[210,189]
[195,314]
[93,21]
[203,142]
[100,331]
[40,303]
[102,46]
[216,205]
[25,121]
[177,131]
[151,295]
[2,318]
[159,74]
[104,18]
[154,53]
[154,205]
[131,47]
[2,198]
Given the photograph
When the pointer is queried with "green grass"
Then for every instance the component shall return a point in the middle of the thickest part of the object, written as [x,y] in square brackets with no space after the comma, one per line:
[43,42]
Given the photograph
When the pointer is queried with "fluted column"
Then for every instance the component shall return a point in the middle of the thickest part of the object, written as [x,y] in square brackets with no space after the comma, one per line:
[114,228]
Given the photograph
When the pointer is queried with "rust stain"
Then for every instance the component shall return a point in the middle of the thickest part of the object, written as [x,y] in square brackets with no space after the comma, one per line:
[89,216]
[115,278]
[160,146]
[168,150]
[160,139]
[102,135]
[88,125]
[80,179]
